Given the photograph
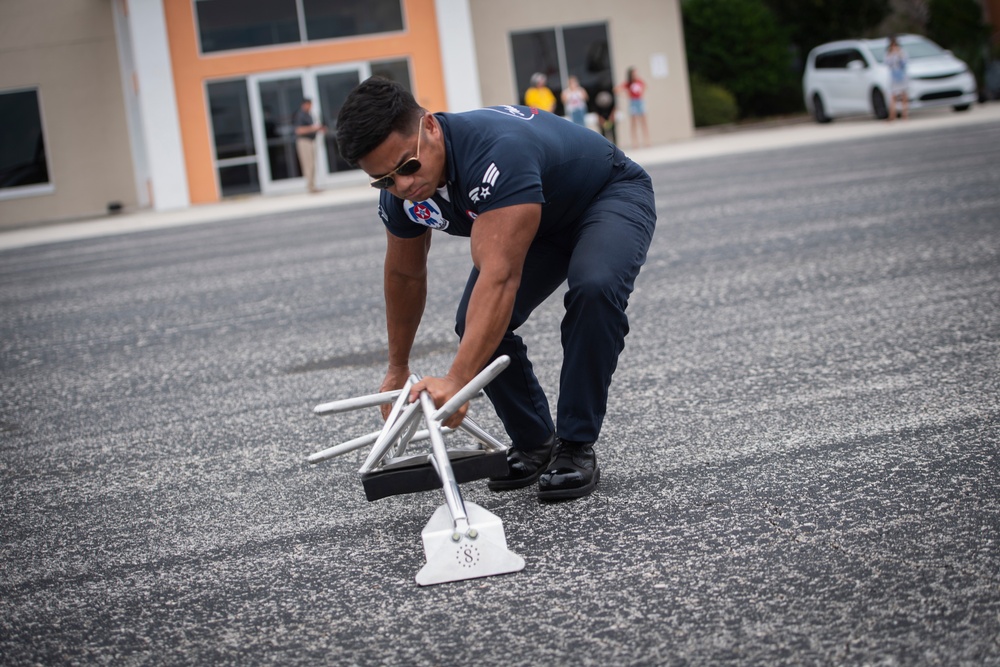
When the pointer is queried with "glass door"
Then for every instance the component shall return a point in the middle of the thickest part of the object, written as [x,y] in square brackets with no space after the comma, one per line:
[274,99]
[332,89]
[277,101]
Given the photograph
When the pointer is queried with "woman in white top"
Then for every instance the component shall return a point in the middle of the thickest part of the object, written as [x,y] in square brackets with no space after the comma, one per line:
[574,98]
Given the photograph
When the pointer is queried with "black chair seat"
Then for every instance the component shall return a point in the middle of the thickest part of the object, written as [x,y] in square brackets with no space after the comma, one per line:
[416,473]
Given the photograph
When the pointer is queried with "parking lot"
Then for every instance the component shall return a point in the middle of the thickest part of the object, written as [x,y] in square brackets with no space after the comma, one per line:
[799,463]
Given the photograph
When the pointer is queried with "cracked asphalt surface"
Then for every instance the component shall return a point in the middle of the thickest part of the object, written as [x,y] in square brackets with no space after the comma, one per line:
[800,460]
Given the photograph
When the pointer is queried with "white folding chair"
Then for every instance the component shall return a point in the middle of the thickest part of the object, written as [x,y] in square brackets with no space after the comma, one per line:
[461,540]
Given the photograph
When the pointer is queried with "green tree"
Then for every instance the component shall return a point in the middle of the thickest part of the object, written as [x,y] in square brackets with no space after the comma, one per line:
[814,22]
[740,46]
[711,104]
[958,25]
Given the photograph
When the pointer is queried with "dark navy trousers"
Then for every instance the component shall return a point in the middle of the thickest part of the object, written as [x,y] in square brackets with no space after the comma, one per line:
[598,256]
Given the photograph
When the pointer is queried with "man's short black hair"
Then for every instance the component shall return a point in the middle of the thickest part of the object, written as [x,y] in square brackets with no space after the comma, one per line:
[372,111]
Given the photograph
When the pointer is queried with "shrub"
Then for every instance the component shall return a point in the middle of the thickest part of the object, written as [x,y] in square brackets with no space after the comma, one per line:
[712,104]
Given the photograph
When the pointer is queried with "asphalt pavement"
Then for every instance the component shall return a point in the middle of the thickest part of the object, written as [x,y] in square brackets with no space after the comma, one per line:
[800,459]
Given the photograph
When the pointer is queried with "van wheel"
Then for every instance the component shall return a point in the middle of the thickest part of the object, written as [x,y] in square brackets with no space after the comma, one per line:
[878,105]
[962,107]
[819,113]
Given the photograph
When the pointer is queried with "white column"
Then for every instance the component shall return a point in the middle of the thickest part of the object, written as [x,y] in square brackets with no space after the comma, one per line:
[458,55]
[160,124]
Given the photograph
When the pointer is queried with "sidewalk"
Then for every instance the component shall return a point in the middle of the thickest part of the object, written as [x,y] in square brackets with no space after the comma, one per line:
[707,143]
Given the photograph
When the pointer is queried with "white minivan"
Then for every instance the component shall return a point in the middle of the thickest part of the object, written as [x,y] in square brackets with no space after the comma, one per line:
[849,77]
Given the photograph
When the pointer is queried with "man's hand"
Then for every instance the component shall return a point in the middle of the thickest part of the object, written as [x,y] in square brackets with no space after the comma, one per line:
[395,378]
[441,389]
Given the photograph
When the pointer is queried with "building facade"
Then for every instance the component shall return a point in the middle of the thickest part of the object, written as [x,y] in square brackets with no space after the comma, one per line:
[110,105]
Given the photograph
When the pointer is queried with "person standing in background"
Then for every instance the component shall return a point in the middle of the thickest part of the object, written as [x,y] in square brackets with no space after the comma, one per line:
[899,81]
[306,130]
[574,99]
[604,104]
[636,88]
[539,95]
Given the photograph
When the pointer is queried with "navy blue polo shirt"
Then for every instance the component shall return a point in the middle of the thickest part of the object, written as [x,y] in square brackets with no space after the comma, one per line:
[509,155]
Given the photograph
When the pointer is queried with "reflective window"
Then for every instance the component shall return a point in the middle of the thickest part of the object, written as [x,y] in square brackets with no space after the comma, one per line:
[231,128]
[588,57]
[326,19]
[239,179]
[232,131]
[838,59]
[22,144]
[279,100]
[333,90]
[536,52]
[238,24]
[394,70]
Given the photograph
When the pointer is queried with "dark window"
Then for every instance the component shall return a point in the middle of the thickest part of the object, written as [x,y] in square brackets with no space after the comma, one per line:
[394,70]
[280,99]
[854,55]
[22,145]
[327,19]
[231,127]
[588,58]
[839,59]
[239,24]
[240,179]
[232,131]
[535,52]
[826,60]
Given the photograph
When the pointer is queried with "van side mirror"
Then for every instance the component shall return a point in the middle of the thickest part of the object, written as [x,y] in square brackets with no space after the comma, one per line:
[855,65]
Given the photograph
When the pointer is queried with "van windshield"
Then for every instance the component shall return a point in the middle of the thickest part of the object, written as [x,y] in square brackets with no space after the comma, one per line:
[915,48]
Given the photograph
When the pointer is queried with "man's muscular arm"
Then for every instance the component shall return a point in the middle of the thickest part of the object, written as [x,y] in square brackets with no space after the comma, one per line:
[500,241]
[405,287]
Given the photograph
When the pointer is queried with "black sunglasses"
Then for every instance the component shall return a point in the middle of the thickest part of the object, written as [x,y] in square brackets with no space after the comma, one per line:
[408,168]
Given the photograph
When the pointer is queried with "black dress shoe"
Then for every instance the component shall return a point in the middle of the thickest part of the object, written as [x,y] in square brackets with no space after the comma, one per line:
[525,465]
[572,474]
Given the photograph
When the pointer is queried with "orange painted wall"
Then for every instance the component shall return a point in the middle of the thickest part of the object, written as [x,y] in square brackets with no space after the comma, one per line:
[191,69]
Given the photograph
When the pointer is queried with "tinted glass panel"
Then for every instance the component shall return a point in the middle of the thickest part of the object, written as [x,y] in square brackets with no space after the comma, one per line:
[280,100]
[832,60]
[239,179]
[326,19]
[230,109]
[588,57]
[333,90]
[22,146]
[394,70]
[535,52]
[239,24]
[854,55]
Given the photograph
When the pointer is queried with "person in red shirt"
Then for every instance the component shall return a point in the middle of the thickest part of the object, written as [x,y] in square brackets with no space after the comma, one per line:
[636,88]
